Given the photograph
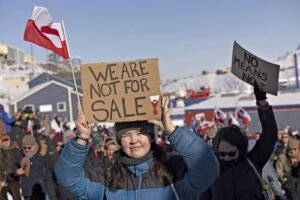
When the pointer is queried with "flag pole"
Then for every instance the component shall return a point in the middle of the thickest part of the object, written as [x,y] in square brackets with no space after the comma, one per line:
[72,69]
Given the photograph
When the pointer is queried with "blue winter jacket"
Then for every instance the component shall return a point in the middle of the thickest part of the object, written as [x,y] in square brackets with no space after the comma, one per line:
[7,120]
[202,170]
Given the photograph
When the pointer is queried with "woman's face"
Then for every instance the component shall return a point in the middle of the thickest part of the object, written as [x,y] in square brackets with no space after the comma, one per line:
[110,150]
[135,144]
[227,152]
[293,152]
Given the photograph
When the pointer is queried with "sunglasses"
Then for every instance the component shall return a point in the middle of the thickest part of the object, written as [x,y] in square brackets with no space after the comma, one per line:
[230,153]
[5,140]
[60,145]
[26,148]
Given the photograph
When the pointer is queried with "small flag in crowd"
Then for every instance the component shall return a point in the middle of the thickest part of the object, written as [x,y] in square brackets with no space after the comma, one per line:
[220,116]
[41,31]
[242,114]
[232,120]
[206,125]
[200,117]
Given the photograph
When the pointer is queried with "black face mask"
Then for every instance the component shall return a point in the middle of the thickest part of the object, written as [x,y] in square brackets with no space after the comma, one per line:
[225,165]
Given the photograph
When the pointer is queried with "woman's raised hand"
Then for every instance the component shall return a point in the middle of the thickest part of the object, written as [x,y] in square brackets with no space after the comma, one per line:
[82,125]
[165,123]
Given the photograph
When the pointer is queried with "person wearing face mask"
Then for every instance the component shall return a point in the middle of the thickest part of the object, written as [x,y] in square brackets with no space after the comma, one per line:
[139,170]
[30,165]
[238,179]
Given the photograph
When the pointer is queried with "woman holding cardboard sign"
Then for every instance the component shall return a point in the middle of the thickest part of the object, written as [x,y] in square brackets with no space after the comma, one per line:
[140,170]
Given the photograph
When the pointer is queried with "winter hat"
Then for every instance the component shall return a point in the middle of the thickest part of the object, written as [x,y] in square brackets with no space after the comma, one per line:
[146,127]
[68,134]
[57,138]
[4,136]
[28,140]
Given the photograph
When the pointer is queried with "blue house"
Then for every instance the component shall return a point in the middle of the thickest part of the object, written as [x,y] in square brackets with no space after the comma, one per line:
[49,96]
[45,77]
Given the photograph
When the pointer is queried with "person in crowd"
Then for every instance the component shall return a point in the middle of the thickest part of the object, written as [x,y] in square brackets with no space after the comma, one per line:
[57,124]
[210,135]
[138,170]
[288,169]
[42,140]
[52,139]
[279,134]
[5,121]
[30,165]
[46,123]
[30,121]
[95,135]
[270,176]
[111,147]
[241,170]
[17,131]
[281,145]
[9,182]
[101,145]
[54,190]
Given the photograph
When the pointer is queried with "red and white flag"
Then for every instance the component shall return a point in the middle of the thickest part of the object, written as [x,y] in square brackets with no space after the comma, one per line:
[206,125]
[41,31]
[242,114]
[220,116]
[232,120]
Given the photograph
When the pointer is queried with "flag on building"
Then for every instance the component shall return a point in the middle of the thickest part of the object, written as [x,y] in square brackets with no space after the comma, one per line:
[232,120]
[242,114]
[219,116]
[41,31]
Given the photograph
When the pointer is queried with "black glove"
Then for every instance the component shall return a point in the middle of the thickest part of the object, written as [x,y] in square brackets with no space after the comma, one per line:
[259,95]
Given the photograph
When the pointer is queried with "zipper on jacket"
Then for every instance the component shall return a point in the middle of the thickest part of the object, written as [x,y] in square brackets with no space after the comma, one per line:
[140,186]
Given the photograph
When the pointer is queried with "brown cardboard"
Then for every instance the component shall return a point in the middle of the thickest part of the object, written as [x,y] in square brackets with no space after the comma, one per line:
[120,91]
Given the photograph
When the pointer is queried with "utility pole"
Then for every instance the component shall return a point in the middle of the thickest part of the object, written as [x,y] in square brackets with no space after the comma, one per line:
[296,70]
[31,53]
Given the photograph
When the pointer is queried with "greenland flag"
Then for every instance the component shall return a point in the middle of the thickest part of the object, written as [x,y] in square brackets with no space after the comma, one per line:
[41,31]
[200,117]
[206,125]
[220,116]
[242,114]
[232,120]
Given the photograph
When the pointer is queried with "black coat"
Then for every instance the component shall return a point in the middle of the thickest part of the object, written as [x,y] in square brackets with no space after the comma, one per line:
[292,185]
[7,159]
[54,190]
[240,182]
[57,191]
[36,178]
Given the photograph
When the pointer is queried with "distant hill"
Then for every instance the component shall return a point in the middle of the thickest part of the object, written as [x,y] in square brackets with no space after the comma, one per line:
[228,83]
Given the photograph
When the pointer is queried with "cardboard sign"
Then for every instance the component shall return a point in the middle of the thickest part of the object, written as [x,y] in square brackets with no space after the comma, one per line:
[121,91]
[251,68]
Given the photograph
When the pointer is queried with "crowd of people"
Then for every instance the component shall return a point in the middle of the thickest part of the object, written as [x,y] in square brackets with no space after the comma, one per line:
[30,145]
[48,158]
